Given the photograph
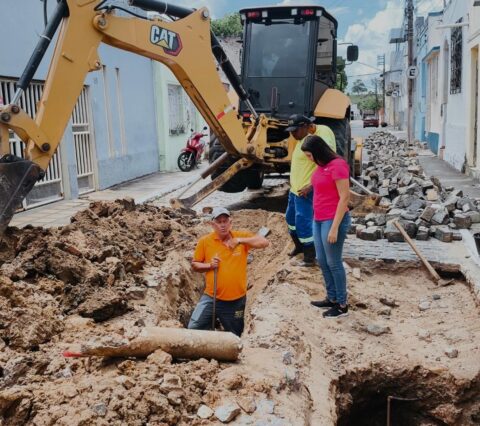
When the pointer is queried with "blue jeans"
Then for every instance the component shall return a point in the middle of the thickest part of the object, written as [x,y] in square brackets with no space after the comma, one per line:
[299,217]
[329,258]
[230,313]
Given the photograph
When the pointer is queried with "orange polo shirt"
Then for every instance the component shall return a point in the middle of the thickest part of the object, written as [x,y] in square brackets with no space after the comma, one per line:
[232,270]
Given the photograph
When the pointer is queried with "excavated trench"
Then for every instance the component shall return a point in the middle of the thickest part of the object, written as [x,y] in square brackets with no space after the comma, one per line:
[118,268]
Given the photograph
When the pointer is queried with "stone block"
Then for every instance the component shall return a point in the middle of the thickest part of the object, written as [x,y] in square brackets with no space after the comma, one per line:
[440,217]
[451,203]
[409,215]
[444,234]
[426,185]
[462,221]
[474,216]
[383,192]
[392,234]
[416,170]
[377,219]
[410,227]
[432,195]
[359,230]
[428,213]
[457,236]
[394,214]
[369,234]
[423,234]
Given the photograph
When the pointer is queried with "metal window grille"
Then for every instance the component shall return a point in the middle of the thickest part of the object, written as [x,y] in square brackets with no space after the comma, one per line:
[456,60]
[81,130]
[50,187]
[176,111]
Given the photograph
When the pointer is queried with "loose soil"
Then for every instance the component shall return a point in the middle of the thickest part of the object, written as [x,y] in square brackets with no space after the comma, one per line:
[119,267]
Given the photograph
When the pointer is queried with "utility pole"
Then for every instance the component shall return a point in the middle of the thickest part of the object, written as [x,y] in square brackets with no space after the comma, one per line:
[409,11]
[380,62]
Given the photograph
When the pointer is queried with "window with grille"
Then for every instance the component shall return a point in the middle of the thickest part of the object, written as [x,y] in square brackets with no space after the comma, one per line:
[176,112]
[456,60]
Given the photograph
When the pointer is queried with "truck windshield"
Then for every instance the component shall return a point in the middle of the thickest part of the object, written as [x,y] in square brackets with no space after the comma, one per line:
[279,49]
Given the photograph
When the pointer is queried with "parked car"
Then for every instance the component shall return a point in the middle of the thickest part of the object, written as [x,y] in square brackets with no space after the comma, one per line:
[370,121]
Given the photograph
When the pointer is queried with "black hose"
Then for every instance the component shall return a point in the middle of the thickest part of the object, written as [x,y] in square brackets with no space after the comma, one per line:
[45,15]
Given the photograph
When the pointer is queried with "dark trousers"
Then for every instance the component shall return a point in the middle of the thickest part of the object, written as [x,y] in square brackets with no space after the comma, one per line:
[229,313]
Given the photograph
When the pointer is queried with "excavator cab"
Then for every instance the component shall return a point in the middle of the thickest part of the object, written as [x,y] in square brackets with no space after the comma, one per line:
[288,59]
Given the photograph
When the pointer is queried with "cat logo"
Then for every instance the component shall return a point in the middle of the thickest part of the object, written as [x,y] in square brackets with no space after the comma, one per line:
[168,40]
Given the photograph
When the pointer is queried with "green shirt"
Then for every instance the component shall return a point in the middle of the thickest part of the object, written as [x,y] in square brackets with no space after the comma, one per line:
[301,168]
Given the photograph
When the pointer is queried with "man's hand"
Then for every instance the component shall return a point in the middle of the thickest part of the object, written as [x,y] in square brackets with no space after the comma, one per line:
[303,192]
[214,263]
[232,243]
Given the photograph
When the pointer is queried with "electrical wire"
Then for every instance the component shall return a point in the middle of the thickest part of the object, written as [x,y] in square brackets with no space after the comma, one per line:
[111,7]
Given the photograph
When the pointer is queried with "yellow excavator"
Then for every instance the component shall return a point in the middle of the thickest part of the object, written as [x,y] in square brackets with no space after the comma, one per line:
[297,75]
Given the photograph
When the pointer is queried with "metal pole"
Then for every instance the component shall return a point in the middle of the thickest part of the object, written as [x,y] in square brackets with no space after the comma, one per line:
[214,309]
[410,63]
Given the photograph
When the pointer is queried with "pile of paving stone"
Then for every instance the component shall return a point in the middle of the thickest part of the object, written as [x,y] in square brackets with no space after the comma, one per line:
[422,205]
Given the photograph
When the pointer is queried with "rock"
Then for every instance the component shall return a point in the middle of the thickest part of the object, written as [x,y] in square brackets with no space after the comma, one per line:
[159,357]
[171,382]
[416,170]
[287,358]
[377,219]
[230,378]
[247,404]
[136,293]
[424,306]
[175,396]
[426,185]
[457,236]
[409,226]
[388,301]
[370,234]
[441,217]
[423,234]
[394,214]
[423,335]
[409,215]
[100,409]
[428,213]
[432,195]
[444,234]
[356,273]
[451,352]
[125,381]
[226,413]
[204,412]
[447,413]
[385,311]
[451,203]
[359,230]
[436,297]
[462,221]
[392,234]
[377,330]
[266,406]
[103,305]
[474,216]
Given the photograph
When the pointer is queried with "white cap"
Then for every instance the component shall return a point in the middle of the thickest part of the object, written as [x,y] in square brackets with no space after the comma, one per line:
[218,211]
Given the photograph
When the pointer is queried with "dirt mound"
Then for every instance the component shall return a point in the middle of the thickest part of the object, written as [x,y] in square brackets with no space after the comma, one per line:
[119,267]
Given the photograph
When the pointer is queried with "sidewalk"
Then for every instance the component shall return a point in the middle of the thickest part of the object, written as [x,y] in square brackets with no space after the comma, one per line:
[141,190]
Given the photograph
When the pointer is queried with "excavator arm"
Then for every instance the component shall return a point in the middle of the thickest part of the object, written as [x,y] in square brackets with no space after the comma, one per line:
[185,45]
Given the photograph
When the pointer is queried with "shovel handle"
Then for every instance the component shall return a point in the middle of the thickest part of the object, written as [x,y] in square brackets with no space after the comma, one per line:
[424,260]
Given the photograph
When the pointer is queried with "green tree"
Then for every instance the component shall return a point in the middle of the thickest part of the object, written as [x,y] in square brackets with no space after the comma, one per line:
[359,87]
[369,103]
[342,80]
[228,26]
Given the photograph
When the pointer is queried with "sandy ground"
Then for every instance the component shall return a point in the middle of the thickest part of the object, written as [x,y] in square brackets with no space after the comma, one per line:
[118,268]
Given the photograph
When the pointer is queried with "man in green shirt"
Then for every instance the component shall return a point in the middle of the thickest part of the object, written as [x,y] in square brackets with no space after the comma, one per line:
[299,214]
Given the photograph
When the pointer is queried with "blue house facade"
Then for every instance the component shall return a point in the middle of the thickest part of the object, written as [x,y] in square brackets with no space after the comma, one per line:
[112,136]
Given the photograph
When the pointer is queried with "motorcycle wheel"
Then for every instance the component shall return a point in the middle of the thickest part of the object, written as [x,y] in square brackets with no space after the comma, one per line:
[186,161]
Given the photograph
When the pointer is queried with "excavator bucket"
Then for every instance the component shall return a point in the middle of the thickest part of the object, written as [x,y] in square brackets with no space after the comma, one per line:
[17,178]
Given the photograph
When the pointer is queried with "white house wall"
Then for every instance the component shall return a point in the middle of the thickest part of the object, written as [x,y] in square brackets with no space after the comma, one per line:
[456,120]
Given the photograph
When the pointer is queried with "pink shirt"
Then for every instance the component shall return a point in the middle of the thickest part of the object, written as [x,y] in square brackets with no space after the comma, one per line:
[325,193]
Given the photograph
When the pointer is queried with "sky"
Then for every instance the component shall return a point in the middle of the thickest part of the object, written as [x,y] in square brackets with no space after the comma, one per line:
[366,23]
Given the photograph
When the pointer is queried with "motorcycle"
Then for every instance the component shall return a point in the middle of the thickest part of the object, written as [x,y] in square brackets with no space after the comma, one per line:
[192,153]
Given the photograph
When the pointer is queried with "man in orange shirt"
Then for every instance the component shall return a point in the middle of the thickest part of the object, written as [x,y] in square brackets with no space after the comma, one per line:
[225,250]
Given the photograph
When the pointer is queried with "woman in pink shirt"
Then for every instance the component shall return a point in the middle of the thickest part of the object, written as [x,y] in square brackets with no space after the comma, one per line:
[330,182]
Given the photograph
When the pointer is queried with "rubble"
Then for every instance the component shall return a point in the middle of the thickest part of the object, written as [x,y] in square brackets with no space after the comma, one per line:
[424,207]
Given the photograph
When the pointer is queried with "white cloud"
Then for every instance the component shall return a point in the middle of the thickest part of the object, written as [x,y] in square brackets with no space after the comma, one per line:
[338,10]
[371,36]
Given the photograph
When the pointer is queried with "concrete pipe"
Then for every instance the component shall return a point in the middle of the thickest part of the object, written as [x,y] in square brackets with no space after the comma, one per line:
[178,342]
